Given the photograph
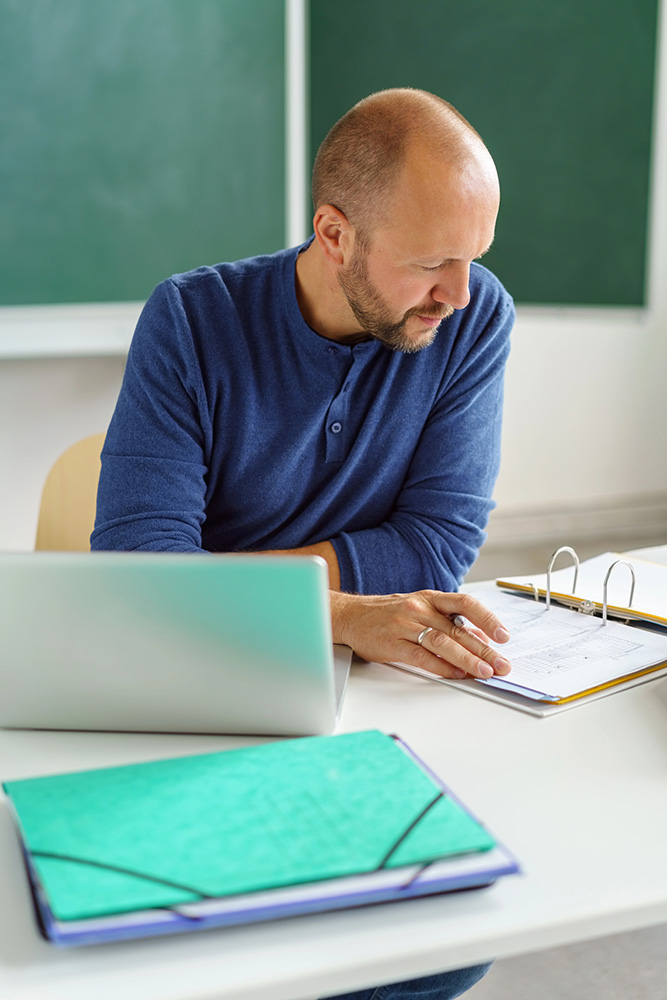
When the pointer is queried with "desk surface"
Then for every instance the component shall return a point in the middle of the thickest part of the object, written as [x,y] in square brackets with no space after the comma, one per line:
[579,797]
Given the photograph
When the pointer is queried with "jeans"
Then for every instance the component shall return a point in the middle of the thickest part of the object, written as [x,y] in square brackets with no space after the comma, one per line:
[442,986]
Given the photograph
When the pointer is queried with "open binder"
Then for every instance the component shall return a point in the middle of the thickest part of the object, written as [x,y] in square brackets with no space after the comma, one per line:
[291,827]
[613,584]
[562,657]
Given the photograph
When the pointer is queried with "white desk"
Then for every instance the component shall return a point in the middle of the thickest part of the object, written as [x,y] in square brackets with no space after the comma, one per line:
[581,798]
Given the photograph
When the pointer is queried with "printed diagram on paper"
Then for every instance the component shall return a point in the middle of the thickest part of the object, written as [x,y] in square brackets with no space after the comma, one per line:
[562,652]
[544,647]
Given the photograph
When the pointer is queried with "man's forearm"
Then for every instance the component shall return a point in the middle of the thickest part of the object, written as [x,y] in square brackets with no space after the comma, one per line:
[323,549]
[420,629]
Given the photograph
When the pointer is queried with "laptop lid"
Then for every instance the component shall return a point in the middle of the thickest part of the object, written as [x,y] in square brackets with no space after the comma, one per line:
[161,642]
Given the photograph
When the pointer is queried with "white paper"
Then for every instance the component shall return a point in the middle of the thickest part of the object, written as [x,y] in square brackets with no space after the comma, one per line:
[560,652]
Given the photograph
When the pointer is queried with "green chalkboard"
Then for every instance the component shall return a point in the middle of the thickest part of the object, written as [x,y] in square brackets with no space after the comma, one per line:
[561,92]
[137,138]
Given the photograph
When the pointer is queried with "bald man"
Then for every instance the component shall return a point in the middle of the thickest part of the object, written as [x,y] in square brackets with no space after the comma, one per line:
[341,398]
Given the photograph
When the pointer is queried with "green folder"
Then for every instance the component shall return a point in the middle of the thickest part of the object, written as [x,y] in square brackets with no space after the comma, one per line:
[178,831]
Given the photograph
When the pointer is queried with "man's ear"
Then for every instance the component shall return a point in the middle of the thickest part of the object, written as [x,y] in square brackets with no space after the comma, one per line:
[334,234]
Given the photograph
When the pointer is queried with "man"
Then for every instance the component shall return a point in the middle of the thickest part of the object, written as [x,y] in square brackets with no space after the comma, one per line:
[341,399]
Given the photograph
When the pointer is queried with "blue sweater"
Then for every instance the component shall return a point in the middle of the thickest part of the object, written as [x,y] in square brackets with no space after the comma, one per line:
[238,428]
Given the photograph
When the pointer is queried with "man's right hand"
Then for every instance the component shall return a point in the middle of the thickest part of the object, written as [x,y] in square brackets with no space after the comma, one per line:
[387,628]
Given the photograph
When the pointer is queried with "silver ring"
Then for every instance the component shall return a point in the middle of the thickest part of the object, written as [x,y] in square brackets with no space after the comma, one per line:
[422,635]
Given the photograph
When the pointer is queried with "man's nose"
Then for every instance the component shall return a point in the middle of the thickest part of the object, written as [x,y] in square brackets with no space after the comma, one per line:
[452,287]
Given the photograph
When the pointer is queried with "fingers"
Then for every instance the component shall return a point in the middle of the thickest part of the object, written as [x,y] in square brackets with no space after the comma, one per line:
[473,610]
[461,652]
[478,632]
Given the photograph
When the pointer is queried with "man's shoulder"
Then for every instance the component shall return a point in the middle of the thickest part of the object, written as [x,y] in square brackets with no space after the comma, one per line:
[238,297]
[233,274]
[485,323]
[491,307]
[484,285]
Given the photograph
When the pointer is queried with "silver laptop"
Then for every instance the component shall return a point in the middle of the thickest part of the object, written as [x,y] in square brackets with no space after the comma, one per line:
[155,642]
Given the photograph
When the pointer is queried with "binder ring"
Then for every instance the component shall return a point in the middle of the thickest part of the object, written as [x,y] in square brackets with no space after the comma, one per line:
[563,548]
[619,562]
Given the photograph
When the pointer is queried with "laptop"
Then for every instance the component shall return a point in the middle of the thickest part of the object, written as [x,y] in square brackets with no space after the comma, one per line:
[172,643]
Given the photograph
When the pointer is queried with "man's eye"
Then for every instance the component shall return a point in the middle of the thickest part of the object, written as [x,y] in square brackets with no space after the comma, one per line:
[423,267]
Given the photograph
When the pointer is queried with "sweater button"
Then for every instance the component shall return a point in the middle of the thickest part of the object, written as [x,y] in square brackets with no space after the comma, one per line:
[336,427]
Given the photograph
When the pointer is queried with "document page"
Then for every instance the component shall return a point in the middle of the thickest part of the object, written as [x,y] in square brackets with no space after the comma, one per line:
[560,652]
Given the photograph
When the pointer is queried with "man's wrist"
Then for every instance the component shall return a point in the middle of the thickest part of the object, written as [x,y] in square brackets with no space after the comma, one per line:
[342,605]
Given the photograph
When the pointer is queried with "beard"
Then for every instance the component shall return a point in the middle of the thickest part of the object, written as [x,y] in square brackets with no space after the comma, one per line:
[376,318]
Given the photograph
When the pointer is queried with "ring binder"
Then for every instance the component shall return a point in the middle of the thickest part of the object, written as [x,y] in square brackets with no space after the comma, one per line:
[647,608]
[585,605]
[567,658]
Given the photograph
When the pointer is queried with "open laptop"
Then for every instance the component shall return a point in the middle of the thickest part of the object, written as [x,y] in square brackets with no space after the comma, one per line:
[160,642]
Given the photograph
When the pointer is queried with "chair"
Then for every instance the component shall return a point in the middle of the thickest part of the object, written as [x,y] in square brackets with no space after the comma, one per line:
[67,507]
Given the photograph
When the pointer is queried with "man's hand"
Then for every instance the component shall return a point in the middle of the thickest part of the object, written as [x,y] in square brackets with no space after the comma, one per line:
[387,629]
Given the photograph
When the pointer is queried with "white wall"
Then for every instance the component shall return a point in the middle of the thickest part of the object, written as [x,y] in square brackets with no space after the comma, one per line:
[45,405]
[585,409]
[585,417]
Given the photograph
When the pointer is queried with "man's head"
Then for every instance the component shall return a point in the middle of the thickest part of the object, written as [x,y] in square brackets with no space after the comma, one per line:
[406,196]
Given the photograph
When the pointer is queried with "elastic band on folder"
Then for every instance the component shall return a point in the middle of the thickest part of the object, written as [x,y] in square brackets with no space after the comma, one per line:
[417,874]
[405,833]
[122,871]
[198,892]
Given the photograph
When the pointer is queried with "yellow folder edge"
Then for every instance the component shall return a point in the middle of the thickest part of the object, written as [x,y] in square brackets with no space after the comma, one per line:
[608,684]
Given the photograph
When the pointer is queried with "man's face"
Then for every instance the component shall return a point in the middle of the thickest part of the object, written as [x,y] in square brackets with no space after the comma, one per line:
[410,332]
[413,271]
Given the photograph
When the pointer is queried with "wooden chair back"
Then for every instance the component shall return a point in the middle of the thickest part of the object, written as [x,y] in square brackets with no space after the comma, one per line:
[67,508]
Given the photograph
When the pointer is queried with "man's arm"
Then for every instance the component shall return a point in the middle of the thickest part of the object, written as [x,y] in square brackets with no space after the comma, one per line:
[435,528]
[387,628]
[325,550]
[152,487]
[431,534]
